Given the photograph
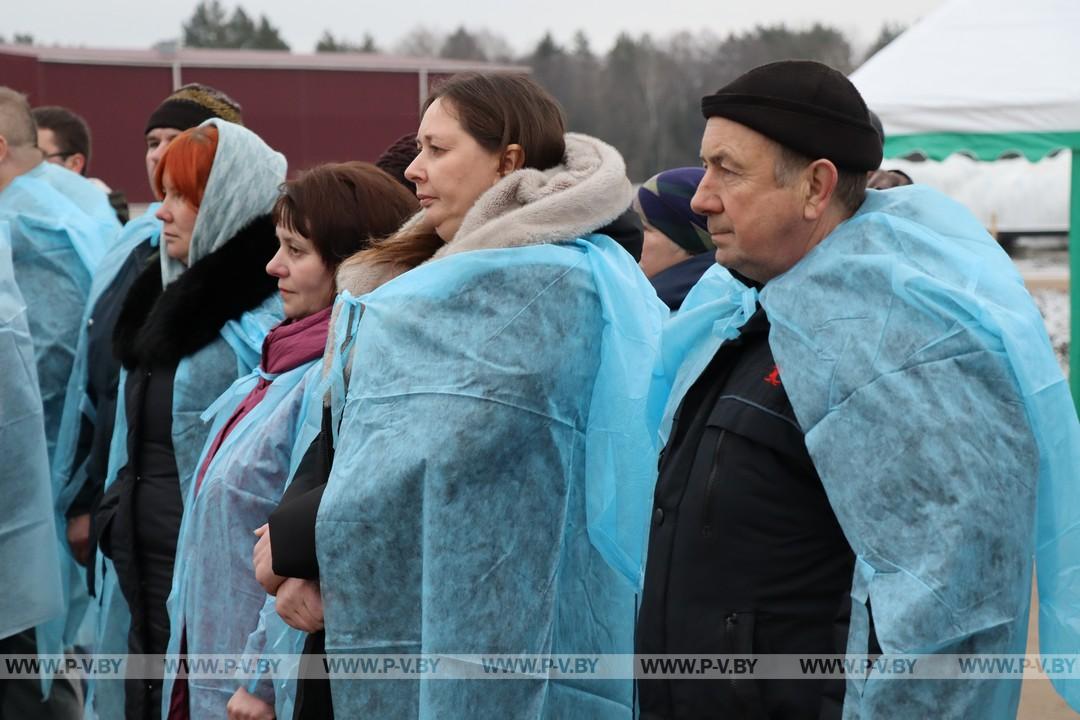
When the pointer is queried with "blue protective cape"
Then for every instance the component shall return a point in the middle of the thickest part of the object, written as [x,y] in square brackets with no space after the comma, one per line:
[67,480]
[241,487]
[272,638]
[30,590]
[56,249]
[88,197]
[934,411]
[200,378]
[493,475]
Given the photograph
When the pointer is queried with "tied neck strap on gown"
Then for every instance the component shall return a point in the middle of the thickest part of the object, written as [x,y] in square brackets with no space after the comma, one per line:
[290,344]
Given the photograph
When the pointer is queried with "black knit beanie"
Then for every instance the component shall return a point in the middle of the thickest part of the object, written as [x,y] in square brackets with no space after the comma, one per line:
[191,105]
[805,106]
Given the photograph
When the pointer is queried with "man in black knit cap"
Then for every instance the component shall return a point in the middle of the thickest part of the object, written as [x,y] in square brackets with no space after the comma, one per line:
[865,434]
[745,553]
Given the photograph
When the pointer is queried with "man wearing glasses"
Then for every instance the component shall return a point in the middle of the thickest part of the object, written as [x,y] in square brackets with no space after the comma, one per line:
[63,137]
[64,141]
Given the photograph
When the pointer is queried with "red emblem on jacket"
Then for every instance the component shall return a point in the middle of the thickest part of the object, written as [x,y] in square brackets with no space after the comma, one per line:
[773,378]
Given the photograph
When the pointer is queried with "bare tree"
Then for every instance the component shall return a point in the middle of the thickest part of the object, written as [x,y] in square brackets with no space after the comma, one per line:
[420,42]
[462,45]
[888,33]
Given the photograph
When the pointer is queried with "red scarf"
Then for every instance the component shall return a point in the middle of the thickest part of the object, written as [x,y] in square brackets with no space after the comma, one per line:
[287,346]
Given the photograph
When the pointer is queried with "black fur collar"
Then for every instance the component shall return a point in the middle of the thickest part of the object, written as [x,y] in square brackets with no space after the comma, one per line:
[156,328]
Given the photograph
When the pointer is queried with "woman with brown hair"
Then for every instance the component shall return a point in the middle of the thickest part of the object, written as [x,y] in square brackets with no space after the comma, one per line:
[493,447]
[322,217]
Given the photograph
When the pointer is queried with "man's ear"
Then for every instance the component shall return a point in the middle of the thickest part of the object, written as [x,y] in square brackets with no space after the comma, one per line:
[820,180]
[513,158]
[75,162]
[4,148]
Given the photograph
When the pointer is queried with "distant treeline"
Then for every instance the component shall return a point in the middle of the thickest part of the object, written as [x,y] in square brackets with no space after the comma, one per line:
[642,96]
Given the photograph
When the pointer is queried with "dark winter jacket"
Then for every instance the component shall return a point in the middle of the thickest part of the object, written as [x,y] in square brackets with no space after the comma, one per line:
[292,532]
[139,516]
[674,283]
[102,377]
[745,554]
[627,231]
[95,436]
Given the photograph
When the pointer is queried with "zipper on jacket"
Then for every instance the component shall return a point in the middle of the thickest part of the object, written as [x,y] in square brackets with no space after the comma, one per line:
[748,701]
[714,477]
[730,623]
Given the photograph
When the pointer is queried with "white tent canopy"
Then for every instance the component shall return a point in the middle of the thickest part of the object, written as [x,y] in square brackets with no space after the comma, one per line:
[987,77]
[1009,197]
[980,66]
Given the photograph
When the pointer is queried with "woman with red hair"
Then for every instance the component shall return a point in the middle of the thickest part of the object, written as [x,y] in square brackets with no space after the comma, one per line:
[181,183]
[193,321]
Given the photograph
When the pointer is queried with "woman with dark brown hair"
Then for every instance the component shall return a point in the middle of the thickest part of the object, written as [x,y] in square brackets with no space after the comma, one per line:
[322,217]
[493,451]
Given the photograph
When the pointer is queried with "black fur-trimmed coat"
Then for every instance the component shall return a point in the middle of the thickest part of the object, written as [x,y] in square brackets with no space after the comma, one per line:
[156,329]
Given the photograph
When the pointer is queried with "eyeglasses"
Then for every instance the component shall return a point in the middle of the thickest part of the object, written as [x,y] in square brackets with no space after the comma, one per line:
[61,155]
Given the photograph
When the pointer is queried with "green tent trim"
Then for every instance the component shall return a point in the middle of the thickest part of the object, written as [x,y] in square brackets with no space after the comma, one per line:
[1033,146]
[938,146]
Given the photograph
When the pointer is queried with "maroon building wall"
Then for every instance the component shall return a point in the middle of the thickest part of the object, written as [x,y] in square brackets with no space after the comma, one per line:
[311,116]
[315,116]
[20,73]
[116,101]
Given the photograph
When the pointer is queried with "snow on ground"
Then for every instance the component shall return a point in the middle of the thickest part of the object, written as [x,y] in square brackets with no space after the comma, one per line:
[1044,263]
[1054,306]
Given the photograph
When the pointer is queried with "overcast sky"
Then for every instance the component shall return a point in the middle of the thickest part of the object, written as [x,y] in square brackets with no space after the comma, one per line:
[141,23]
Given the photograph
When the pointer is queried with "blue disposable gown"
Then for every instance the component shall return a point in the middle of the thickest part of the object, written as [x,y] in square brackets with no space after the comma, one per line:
[85,195]
[241,487]
[200,378]
[30,591]
[936,415]
[56,250]
[272,638]
[67,480]
[492,476]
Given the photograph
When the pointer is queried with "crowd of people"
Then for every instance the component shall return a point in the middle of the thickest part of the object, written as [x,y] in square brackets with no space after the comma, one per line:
[484,396]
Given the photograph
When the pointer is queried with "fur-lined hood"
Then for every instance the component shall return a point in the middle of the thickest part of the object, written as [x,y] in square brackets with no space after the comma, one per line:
[527,207]
[158,327]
